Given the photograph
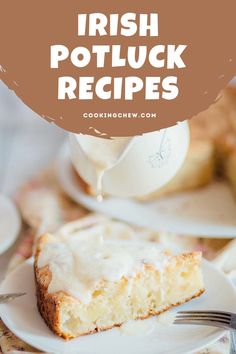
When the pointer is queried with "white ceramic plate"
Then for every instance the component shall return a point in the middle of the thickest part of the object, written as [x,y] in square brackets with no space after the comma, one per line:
[206,212]
[10,223]
[23,319]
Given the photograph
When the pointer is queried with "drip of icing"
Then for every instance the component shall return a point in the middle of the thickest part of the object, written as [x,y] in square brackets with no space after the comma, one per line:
[138,327]
[80,260]
[166,318]
[100,174]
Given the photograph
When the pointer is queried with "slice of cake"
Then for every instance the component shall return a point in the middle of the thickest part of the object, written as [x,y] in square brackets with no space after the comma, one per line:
[95,274]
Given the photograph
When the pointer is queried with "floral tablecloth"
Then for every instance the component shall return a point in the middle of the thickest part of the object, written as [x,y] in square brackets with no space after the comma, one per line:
[45,207]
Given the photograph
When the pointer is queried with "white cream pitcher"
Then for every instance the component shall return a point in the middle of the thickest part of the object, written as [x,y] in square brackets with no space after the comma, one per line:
[130,166]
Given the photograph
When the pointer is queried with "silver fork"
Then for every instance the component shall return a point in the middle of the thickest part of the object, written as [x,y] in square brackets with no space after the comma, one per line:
[226,320]
[5,298]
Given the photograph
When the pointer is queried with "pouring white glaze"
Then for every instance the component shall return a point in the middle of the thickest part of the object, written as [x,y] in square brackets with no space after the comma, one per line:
[115,252]
[103,154]
[128,167]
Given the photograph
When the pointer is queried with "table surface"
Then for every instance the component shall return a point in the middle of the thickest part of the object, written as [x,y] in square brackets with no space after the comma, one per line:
[27,144]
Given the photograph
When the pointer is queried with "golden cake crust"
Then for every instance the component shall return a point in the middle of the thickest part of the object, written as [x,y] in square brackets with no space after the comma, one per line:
[49,304]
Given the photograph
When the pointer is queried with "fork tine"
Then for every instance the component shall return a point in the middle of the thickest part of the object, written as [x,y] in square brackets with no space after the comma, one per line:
[203,323]
[217,313]
[12,295]
[4,298]
[203,316]
[203,319]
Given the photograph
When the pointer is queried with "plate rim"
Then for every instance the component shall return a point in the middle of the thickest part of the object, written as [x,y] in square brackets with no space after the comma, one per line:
[218,334]
[67,182]
[9,241]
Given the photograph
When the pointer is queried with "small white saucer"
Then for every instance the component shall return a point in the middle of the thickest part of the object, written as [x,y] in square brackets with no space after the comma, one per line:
[22,318]
[10,223]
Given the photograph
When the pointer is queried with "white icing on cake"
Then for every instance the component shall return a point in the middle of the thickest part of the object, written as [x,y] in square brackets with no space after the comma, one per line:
[80,256]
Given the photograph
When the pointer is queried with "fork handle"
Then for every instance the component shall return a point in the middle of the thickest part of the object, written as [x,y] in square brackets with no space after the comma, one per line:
[233,342]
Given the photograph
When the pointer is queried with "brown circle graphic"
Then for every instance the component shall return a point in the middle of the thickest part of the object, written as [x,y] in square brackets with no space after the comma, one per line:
[134,100]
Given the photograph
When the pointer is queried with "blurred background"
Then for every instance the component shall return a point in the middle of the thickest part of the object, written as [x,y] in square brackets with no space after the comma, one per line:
[27,143]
